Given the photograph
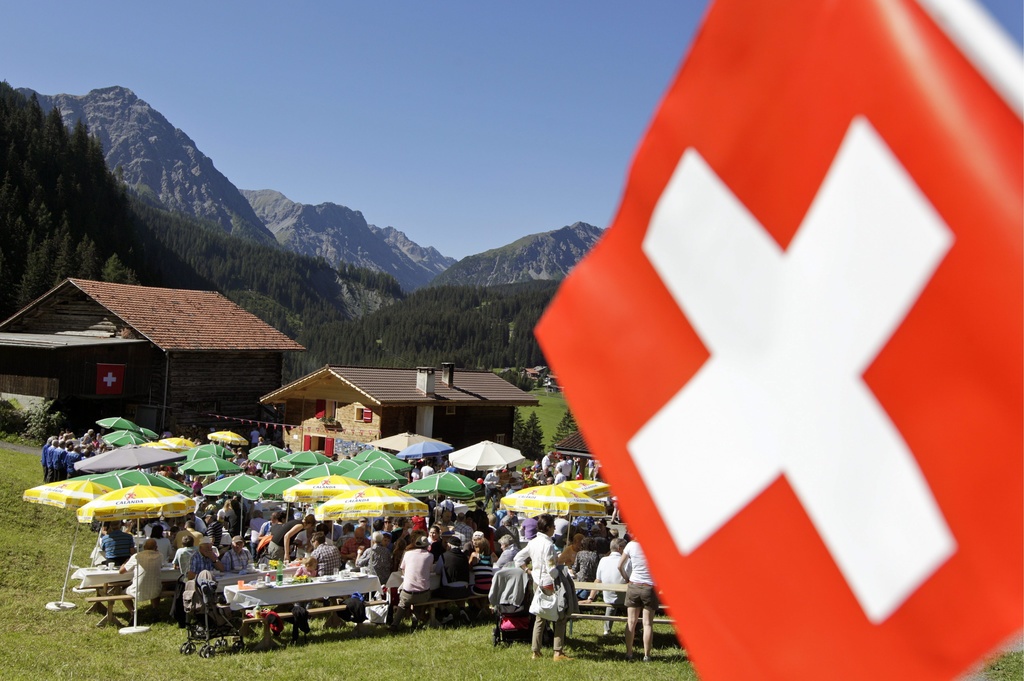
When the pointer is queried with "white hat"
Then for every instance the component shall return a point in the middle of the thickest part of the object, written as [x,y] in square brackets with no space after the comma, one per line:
[206,540]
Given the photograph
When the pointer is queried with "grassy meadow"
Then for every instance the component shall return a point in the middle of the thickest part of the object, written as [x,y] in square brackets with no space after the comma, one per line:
[551,410]
[38,643]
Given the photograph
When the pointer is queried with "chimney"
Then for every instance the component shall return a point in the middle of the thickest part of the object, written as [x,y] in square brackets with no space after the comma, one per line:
[448,374]
[425,380]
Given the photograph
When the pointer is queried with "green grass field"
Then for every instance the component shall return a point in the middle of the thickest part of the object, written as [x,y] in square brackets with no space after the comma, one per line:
[38,643]
[551,410]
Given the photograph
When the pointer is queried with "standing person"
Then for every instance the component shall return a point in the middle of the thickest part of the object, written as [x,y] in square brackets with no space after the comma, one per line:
[44,459]
[639,596]
[541,555]
[608,573]
[492,489]
[278,529]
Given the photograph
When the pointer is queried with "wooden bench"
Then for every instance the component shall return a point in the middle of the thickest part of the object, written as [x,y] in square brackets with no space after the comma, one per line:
[619,588]
[267,641]
[108,600]
[432,605]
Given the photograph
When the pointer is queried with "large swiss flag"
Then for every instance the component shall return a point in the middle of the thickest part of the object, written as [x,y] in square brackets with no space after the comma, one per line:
[818,257]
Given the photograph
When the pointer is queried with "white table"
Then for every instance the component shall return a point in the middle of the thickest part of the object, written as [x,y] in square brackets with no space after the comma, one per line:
[342,585]
[98,577]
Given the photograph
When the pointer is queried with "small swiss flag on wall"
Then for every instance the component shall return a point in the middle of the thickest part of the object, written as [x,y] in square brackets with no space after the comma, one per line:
[110,379]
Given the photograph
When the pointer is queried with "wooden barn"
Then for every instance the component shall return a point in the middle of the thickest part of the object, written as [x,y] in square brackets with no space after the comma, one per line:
[366,403]
[164,357]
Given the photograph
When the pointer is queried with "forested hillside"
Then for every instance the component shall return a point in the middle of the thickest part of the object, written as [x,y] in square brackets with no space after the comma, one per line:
[63,214]
[473,326]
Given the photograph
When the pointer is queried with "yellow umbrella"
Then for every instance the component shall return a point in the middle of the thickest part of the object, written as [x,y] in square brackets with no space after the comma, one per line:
[592,488]
[552,499]
[67,494]
[158,445]
[319,489]
[370,501]
[174,444]
[137,501]
[227,437]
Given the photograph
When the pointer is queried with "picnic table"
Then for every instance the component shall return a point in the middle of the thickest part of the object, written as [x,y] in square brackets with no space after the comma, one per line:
[255,595]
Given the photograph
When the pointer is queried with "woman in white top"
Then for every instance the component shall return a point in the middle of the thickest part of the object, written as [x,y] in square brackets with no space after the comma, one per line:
[163,544]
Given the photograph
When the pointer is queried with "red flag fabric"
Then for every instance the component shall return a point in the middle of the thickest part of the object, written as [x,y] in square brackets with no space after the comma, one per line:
[110,379]
[818,254]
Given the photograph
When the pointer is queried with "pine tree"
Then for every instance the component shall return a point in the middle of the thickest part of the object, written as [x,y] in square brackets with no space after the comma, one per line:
[566,427]
[533,438]
[115,272]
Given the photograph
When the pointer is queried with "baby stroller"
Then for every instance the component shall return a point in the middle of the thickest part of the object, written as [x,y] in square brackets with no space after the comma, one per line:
[510,597]
[207,622]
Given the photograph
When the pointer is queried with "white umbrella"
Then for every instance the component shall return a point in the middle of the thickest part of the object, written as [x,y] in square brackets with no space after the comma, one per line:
[484,456]
[399,442]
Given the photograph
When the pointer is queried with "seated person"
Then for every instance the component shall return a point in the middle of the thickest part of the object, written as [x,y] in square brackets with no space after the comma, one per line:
[183,556]
[307,567]
[455,571]
[237,558]
[205,558]
[145,568]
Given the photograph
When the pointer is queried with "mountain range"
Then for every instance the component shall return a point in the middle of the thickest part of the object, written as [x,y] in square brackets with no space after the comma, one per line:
[164,166]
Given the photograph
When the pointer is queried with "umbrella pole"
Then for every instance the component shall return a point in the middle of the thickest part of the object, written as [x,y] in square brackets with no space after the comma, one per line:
[61,605]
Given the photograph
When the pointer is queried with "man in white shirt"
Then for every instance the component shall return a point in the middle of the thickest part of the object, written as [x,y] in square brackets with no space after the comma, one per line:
[491,489]
[541,555]
[608,573]
[639,596]
[426,470]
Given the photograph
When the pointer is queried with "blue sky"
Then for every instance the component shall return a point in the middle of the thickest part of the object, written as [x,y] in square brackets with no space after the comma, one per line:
[464,124]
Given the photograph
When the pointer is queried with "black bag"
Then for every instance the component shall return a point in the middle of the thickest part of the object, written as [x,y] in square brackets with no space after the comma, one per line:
[177,606]
[355,610]
[300,621]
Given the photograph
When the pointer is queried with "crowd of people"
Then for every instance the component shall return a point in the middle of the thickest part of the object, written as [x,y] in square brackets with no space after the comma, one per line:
[462,548]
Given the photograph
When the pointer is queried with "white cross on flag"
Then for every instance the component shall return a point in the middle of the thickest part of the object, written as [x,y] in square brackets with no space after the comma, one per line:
[818,258]
[110,379]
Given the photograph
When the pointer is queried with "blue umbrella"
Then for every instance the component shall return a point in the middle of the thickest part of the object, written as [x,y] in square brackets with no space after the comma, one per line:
[423,450]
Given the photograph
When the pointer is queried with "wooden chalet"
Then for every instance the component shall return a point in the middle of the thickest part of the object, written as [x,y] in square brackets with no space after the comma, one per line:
[573,445]
[366,403]
[164,357]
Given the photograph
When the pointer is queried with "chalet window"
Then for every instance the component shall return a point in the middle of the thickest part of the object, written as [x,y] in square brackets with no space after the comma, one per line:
[499,438]
[449,410]
[367,416]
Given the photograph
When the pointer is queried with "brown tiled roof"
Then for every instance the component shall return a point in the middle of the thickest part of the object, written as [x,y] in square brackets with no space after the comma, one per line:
[174,319]
[573,443]
[394,387]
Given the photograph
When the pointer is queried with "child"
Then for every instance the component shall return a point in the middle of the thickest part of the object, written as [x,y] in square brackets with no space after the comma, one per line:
[307,567]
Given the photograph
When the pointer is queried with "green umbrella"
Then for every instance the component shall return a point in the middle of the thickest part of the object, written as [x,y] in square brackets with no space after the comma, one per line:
[120,438]
[270,489]
[392,463]
[147,432]
[375,475]
[283,466]
[209,466]
[127,478]
[208,451]
[449,484]
[333,468]
[233,483]
[370,455]
[267,454]
[307,458]
[117,423]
